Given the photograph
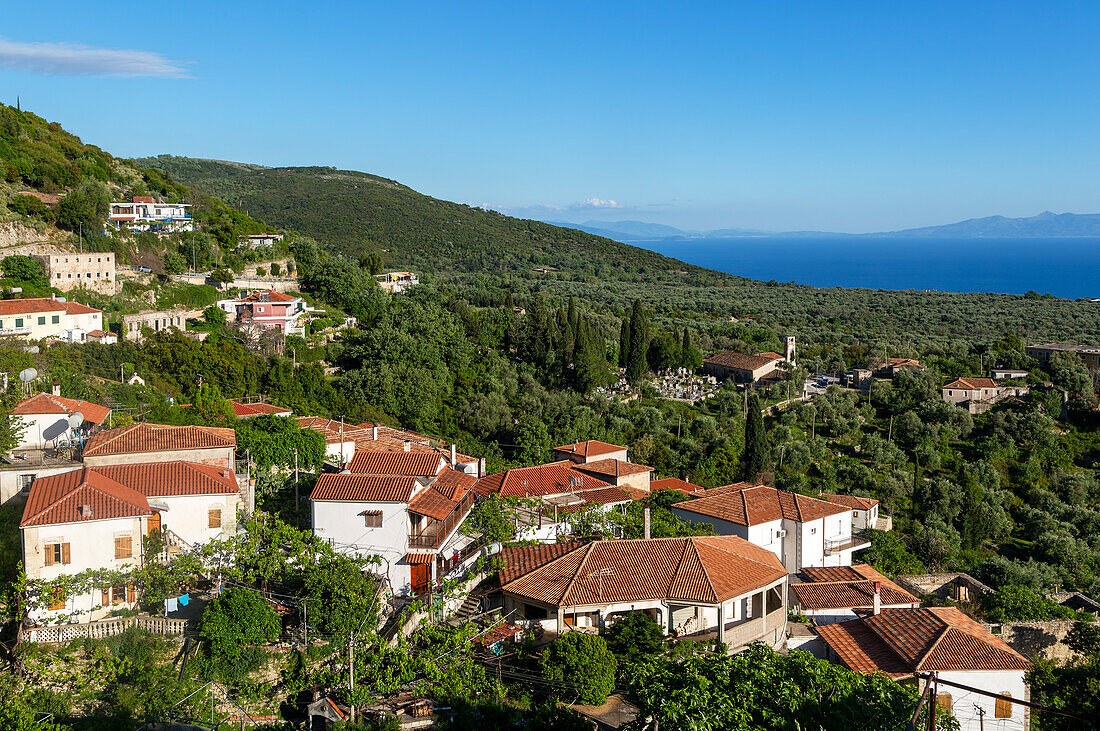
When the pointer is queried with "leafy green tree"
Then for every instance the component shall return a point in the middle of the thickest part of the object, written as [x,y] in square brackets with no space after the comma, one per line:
[581,664]
[25,271]
[754,459]
[214,315]
[210,407]
[635,635]
[1084,638]
[222,276]
[534,439]
[238,617]
[1072,688]
[636,365]
[174,263]
[1021,604]
[372,262]
[28,205]
[889,555]
[271,441]
[492,519]
[343,598]
[85,208]
[624,341]
[1068,371]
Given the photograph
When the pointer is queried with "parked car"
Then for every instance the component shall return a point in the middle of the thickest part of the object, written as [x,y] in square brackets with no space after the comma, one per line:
[145,270]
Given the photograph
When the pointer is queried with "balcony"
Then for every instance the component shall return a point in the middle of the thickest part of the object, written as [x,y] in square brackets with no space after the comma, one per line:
[845,543]
[434,533]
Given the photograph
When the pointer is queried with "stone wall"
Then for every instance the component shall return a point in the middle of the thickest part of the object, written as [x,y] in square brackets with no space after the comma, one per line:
[955,586]
[17,234]
[1033,639]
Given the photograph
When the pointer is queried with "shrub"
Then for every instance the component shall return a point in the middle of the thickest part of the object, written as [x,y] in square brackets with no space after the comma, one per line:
[634,636]
[233,622]
[28,205]
[1021,604]
[582,663]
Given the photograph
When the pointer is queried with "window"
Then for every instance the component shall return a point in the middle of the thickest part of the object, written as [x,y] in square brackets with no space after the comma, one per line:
[124,547]
[372,518]
[1003,708]
[57,553]
[42,320]
[55,319]
[813,531]
[59,275]
[214,518]
[19,322]
[25,482]
[943,702]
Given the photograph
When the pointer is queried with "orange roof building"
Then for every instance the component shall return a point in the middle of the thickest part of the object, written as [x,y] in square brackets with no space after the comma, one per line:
[801,530]
[589,451]
[48,420]
[146,442]
[710,587]
[838,593]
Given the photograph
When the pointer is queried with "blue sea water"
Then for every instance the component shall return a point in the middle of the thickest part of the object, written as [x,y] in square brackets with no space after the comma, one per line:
[1067,267]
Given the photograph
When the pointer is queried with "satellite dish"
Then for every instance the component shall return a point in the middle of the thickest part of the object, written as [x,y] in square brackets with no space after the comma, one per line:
[27,375]
[76,420]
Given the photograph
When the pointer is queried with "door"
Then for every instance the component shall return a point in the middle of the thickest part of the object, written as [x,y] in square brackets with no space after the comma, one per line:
[153,524]
[419,578]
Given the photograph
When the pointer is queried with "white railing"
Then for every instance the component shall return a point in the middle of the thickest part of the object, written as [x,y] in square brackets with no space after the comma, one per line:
[61,633]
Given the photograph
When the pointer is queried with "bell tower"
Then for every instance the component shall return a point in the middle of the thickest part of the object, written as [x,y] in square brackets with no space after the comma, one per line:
[790,349]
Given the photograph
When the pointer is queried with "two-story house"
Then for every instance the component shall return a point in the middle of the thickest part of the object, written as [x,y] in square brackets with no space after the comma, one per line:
[47,420]
[145,213]
[96,519]
[145,442]
[267,310]
[865,510]
[404,507]
[41,318]
[802,531]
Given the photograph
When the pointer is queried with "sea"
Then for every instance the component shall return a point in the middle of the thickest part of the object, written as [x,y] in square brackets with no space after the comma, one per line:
[1063,267]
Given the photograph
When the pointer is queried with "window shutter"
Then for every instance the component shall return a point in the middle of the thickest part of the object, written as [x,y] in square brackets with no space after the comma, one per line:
[215,518]
[106,596]
[49,553]
[65,553]
[943,702]
[130,593]
[124,547]
[1003,708]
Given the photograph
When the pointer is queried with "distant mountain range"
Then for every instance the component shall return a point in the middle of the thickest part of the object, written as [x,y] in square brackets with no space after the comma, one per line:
[1044,225]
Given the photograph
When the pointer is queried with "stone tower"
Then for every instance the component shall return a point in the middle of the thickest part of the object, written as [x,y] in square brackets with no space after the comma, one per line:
[790,349]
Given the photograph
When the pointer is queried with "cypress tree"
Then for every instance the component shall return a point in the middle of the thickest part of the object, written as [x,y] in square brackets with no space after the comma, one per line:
[754,459]
[624,341]
[685,350]
[636,366]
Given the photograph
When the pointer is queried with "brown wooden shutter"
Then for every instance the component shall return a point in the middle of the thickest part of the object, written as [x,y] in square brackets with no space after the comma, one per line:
[943,702]
[131,593]
[106,596]
[215,518]
[65,559]
[124,547]
[1004,706]
[49,553]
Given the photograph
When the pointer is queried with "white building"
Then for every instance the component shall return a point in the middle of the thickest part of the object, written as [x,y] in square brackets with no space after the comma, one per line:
[709,587]
[46,421]
[38,318]
[903,642]
[267,310]
[865,510]
[407,508]
[343,441]
[144,213]
[802,531]
[95,519]
[397,282]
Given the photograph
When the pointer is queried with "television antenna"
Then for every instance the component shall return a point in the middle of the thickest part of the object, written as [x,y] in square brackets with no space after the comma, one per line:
[599,574]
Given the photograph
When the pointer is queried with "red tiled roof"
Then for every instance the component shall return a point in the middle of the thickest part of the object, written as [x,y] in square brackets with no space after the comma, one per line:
[44,403]
[853,502]
[674,483]
[742,361]
[143,199]
[591,448]
[365,488]
[754,504]
[61,498]
[555,478]
[613,467]
[453,484]
[602,496]
[705,569]
[413,464]
[268,295]
[389,438]
[904,641]
[146,437]
[96,333]
[243,411]
[972,384]
[32,305]
[166,479]
[432,504]
[520,560]
[848,594]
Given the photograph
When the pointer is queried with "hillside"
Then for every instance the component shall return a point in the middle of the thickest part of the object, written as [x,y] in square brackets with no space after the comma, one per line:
[356,212]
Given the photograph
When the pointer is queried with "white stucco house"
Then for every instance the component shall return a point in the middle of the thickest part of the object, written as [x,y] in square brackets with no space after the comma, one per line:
[708,587]
[97,519]
[342,441]
[865,510]
[903,642]
[800,530]
[46,420]
[407,508]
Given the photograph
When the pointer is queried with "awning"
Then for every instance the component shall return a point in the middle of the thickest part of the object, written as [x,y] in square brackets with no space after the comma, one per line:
[419,558]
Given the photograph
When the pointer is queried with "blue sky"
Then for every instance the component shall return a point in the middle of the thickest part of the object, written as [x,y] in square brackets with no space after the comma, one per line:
[831,116]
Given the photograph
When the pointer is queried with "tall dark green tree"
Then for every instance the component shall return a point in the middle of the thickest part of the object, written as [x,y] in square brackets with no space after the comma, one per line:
[754,459]
[636,365]
[624,341]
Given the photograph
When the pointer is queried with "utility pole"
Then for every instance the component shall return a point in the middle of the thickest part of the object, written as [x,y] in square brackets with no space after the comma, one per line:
[351,675]
[296,499]
[981,717]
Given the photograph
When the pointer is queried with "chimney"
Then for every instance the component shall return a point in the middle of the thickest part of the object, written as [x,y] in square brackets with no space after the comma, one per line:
[481,467]
[878,598]
[645,523]
[454,456]
[374,432]
[56,387]
[406,445]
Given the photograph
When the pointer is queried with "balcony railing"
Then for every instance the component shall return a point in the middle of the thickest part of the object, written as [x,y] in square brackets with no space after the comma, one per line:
[845,543]
[435,533]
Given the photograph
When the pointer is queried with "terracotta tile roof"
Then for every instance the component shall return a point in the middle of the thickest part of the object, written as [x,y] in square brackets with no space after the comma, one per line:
[850,594]
[613,468]
[601,496]
[591,448]
[44,403]
[755,504]
[674,483]
[742,361]
[96,333]
[432,504]
[706,569]
[268,295]
[166,479]
[769,354]
[972,384]
[413,464]
[61,499]
[244,411]
[389,438]
[904,641]
[520,560]
[555,478]
[365,488]
[453,484]
[33,305]
[853,502]
[158,438]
